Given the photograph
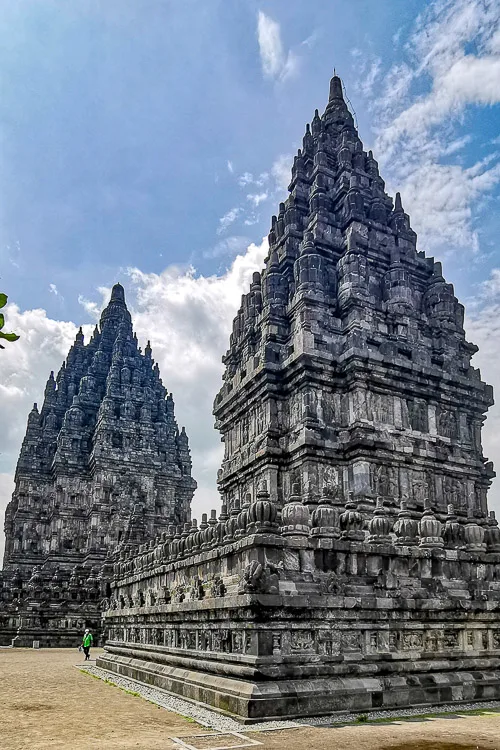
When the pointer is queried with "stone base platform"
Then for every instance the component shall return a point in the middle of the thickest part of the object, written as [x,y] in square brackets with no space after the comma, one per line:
[254,700]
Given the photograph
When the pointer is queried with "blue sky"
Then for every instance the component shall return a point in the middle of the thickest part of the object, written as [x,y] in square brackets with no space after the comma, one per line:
[150,142]
[119,119]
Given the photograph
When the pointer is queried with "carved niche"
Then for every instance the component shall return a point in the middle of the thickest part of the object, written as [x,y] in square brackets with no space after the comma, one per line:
[302,640]
[453,492]
[351,640]
[418,415]
[447,424]
[385,481]
[382,407]
[420,487]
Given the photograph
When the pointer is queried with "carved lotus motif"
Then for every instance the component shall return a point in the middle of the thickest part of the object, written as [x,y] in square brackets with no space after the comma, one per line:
[242,522]
[262,515]
[430,529]
[295,518]
[352,522]
[231,527]
[474,536]
[380,525]
[406,530]
[325,521]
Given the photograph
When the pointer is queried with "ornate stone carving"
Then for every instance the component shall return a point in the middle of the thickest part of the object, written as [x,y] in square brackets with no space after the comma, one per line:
[179,594]
[259,579]
[197,590]
[412,641]
[386,484]
[295,515]
[350,640]
[447,424]
[302,640]
[276,644]
[474,535]
[406,527]
[325,518]
[430,529]
[417,414]
[380,526]
[262,513]
[218,588]
[452,530]
[352,522]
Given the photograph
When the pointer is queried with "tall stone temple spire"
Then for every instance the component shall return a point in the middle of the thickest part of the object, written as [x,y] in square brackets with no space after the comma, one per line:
[104,445]
[353,566]
[348,366]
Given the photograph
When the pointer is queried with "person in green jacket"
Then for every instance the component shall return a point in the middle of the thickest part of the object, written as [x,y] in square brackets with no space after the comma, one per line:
[87,643]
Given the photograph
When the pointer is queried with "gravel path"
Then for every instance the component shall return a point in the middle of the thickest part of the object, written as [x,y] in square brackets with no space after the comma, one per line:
[221,723]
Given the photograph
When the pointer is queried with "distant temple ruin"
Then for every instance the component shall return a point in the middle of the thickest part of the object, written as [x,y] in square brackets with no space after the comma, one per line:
[354,564]
[102,464]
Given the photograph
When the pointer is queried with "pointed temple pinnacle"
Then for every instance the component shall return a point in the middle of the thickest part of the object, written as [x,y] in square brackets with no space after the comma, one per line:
[118,294]
[336,88]
[116,309]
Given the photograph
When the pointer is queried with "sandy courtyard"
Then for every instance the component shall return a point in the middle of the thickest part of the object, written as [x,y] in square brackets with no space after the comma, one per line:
[45,703]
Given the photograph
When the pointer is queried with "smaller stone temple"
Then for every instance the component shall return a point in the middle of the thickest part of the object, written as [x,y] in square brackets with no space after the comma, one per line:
[102,465]
[354,564]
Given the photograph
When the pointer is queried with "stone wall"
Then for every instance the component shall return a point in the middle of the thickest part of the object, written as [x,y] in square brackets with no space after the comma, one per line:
[314,615]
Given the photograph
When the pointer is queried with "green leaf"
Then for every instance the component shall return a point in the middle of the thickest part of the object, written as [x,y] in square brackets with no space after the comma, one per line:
[2,320]
[3,299]
[9,336]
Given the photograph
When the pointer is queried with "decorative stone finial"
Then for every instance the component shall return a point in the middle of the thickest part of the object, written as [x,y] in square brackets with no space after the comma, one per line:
[430,529]
[336,88]
[118,294]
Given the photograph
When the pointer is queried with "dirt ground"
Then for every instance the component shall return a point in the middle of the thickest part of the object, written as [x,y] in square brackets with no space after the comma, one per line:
[45,703]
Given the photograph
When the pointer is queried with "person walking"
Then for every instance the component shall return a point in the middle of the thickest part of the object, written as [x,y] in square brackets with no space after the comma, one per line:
[87,643]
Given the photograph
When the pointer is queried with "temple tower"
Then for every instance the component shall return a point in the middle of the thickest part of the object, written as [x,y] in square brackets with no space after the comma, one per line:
[353,566]
[348,369]
[104,447]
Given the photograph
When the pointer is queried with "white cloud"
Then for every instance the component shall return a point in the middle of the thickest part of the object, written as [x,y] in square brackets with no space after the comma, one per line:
[452,57]
[227,247]
[257,198]
[440,199]
[53,289]
[245,179]
[188,319]
[252,219]
[276,63]
[228,219]
[368,72]
[281,172]
[311,40]
[93,309]
[230,167]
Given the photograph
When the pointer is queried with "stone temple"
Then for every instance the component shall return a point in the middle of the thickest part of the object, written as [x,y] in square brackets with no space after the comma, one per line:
[354,564]
[102,464]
